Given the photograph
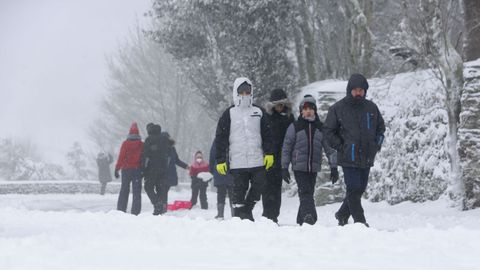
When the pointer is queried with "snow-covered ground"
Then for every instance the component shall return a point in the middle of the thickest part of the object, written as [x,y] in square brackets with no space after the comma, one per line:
[83,231]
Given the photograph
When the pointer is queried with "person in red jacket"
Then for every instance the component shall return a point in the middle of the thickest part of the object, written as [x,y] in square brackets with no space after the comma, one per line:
[198,185]
[129,161]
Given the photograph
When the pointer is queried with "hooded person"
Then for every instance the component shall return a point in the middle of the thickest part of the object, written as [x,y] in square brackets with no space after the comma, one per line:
[244,139]
[154,164]
[173,162]
[104,175]
[279,112]
[199,187]
[355,128]
[129,162]
[303,146]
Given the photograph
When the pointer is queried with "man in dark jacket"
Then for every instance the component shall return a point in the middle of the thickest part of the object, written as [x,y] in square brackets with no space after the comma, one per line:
[303,147]
[154,164]
[104,175]
[279,111]
[355,128]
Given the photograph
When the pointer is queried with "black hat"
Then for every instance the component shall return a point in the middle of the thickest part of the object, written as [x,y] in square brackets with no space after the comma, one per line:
[357,81]
[277,94]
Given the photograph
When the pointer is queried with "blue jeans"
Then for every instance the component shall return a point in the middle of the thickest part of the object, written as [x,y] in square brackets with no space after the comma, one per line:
[356,180]
[130,176]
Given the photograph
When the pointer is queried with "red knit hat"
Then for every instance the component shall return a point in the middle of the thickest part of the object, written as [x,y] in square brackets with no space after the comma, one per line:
[133,128]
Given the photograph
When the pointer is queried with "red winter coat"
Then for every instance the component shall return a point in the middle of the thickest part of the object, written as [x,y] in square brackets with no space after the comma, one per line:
[197,168]
[131,151]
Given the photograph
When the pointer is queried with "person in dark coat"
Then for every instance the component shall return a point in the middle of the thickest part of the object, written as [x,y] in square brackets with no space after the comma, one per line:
[223,183]
[128,162]
[173,161]
[154,164]
[355,128]
[199,187]
[302,147]
[104,175]
[279,111]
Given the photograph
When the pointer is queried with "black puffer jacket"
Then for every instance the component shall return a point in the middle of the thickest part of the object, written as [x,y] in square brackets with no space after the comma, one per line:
[355,128]
[156,152]
[279,123]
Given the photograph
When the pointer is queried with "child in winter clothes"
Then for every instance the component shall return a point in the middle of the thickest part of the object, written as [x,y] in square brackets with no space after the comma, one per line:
[129,161]
[173,162]
[223,183]
[199,187]
[303,146]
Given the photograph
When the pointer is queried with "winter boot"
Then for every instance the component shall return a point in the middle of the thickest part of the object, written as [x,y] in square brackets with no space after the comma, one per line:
[308,218]
[220,208]
[157,209]
[341,220]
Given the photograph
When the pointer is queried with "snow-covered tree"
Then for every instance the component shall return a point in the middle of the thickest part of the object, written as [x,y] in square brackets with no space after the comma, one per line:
[78,161]
[471,46]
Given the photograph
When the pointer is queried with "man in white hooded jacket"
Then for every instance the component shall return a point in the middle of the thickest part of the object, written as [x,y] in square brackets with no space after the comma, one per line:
[244,136]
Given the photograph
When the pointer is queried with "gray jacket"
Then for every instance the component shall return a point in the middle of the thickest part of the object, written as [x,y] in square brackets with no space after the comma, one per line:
[303,146]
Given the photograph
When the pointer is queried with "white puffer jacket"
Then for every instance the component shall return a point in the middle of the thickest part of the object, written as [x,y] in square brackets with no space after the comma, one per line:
[243,132]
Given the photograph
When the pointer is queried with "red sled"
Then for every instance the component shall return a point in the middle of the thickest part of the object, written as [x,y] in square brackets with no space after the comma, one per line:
[177,205]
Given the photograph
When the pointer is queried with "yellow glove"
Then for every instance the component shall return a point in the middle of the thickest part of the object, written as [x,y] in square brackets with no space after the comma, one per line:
[222,168]
[268,161]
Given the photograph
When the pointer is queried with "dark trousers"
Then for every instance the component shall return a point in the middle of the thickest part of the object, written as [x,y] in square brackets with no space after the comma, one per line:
[272,194]
[356,180]
[248,185]
[306,188]
[223,192]
[130,176]
[156,189]
[199,188]
[103,187]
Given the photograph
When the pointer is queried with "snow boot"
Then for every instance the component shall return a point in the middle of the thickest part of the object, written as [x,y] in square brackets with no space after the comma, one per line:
[308,218]
[220,208]
[157,209]
[342,221]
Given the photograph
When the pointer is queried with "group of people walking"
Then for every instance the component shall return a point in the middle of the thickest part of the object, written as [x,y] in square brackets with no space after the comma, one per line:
[252,152]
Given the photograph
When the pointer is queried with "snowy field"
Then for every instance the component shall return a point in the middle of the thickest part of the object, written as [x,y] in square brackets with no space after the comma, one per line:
[65,231]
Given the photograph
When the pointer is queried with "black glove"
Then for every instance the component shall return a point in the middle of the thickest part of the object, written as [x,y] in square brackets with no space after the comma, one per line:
[379,141]
[117,174]
[333,175]
[286,176]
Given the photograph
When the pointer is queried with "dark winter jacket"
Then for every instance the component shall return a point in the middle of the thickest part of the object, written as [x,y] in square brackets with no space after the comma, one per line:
[173,161]
[355,128]
[279,123]
[244,131]
[155,154]
[103,163]
[303,146]
[130,151]
[218,179]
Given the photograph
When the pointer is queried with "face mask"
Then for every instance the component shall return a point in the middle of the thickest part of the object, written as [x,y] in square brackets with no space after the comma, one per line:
[310,118]
[199,160]
[244,101]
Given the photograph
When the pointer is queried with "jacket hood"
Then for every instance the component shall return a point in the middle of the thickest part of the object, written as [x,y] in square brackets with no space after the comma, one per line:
[269,106]
[236,84]
[357,80]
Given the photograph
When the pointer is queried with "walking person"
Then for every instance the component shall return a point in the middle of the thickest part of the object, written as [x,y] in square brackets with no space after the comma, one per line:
[303,146]
[173,162]
[129,163]
[104,175]
[355,128]
[243,132]
[199,187]
[223,183]
[279,111]
[154,164]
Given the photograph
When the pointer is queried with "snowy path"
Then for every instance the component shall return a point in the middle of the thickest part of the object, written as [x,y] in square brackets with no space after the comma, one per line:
[83,232]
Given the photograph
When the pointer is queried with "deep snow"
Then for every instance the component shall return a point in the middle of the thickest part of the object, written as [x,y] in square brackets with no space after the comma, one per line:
[58,231]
